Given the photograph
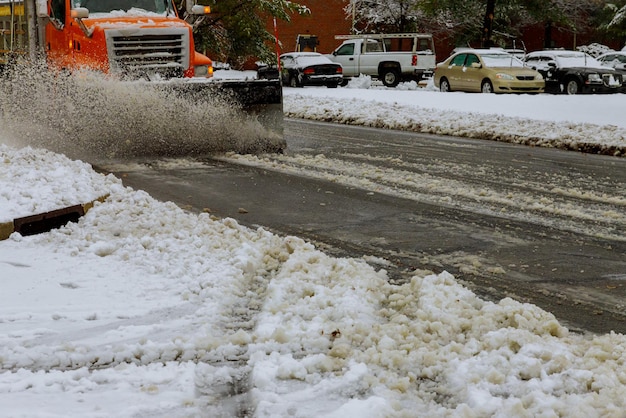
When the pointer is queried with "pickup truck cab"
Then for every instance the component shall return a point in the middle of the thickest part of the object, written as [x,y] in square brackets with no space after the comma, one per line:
[389,57]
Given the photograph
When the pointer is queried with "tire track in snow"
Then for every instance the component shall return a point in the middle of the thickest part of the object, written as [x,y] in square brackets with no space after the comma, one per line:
[564,206]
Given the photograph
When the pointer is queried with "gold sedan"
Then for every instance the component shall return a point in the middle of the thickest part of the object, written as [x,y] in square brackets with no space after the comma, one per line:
[487,71]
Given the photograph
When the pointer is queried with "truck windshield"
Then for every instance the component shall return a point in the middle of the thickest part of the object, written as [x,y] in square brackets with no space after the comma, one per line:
[108,6]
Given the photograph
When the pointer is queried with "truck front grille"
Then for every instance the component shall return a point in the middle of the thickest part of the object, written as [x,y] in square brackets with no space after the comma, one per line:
[146,52]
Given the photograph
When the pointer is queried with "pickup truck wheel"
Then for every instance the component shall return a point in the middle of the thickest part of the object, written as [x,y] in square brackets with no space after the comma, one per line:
[390,77]
[444,85]
[486,87]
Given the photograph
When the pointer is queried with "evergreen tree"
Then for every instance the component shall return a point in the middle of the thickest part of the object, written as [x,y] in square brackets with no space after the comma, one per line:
[236,31]
[612,20]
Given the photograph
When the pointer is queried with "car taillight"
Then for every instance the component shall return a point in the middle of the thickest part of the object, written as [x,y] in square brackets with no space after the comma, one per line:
[339,70]
[309,71]
[414,60]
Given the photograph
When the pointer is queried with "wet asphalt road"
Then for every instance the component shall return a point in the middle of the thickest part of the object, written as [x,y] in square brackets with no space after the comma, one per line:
[559,264]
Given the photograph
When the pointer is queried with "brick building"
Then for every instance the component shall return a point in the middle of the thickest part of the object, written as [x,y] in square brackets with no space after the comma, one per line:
[327,19]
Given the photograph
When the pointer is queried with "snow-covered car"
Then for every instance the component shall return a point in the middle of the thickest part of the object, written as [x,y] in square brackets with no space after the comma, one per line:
[574,72]
[617,60]
[300,69]
[487,71]
[517,52]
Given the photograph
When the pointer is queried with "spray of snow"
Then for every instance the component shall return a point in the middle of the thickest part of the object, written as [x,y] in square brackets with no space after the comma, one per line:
[87,116]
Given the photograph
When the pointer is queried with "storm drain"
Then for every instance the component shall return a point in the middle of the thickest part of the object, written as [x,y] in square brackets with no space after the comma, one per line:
[44,222]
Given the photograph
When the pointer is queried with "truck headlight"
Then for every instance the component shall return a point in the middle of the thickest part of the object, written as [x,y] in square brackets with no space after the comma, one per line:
[203,71]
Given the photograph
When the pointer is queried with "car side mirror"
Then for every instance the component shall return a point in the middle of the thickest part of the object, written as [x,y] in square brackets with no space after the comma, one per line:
[476,65]
[552,64]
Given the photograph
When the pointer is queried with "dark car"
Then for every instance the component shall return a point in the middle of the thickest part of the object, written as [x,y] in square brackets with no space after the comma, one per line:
[573,72]
[300,69]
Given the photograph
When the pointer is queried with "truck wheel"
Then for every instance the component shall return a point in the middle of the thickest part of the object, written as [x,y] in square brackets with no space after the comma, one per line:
[390,77]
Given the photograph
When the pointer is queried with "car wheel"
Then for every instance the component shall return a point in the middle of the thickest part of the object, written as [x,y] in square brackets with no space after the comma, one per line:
[293,81]
[444,85]
[390,77]
[572,87]
[486,87]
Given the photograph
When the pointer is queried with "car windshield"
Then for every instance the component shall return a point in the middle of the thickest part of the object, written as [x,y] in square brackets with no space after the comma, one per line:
[501,60]
[614,59]
[566,60]
[108,6]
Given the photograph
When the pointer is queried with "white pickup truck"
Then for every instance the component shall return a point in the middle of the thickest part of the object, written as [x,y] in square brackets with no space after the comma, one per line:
[388,57]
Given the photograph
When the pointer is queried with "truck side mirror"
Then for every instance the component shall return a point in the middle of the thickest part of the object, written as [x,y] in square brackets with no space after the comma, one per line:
[79,13]
[196,9]
[200,10]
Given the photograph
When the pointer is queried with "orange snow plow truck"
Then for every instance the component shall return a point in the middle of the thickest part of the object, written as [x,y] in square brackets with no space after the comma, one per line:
[140,41]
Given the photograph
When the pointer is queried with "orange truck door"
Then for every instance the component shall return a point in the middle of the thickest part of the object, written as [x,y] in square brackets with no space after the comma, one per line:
[57,39]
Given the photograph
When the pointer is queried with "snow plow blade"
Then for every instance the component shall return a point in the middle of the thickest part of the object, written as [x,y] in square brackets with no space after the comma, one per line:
[260,100]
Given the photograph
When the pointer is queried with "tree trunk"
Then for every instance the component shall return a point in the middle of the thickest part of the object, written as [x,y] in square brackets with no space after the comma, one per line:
[488,24]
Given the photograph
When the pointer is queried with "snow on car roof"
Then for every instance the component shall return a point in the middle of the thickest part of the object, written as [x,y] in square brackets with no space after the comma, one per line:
[301,54]
[308,58]
[567,58]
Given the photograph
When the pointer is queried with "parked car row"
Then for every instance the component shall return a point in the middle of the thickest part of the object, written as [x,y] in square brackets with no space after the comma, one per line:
[554,71]
[391,58]
[491,70]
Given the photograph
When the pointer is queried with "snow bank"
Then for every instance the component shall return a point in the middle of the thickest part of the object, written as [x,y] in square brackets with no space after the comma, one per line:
[562,122]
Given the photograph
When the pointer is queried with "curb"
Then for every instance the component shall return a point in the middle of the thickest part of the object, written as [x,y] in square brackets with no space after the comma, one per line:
[44,222]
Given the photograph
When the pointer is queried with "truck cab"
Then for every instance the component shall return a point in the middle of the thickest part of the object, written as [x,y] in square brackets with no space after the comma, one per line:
[129,38]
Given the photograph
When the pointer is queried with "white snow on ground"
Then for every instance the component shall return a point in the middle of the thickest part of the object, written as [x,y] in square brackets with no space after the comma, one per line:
[142,309]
